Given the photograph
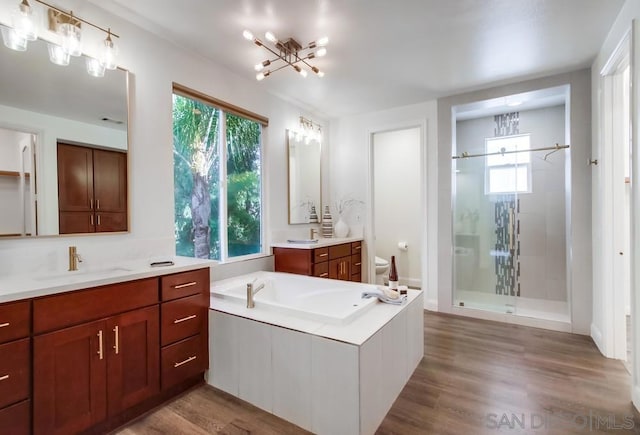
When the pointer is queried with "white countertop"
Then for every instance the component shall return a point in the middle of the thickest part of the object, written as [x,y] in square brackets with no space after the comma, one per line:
[16,287]
[321,243]
[356,332]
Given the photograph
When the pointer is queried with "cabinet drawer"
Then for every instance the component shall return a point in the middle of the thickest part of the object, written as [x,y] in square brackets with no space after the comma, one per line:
[14,320]
[185,284]
[320,254]
[15,419]
[57,312]
[356,264]
[321,270]
[15,363]
[356,247]
[182,318]
[338,251]
[182,360]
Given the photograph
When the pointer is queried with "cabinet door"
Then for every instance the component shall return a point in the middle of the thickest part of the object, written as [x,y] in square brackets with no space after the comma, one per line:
[72,222]
[340,268]
[69,379]
[110,181]
[109,222]
[75,178]
[133,358]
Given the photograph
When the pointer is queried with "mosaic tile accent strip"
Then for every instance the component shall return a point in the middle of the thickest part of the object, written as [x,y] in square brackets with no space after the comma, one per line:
[507,248]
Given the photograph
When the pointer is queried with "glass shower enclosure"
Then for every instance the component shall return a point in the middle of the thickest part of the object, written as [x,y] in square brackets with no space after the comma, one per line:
[509,214]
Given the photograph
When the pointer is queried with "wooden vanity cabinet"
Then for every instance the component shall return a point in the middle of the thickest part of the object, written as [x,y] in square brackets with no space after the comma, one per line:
[341,261]
[92,190]
[15,368]
[96,369]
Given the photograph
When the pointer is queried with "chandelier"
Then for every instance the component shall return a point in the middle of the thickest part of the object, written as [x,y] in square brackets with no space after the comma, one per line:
[25,23]
[290,52]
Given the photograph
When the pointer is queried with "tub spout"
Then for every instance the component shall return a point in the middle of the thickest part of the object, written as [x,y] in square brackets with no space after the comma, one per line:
[251,291]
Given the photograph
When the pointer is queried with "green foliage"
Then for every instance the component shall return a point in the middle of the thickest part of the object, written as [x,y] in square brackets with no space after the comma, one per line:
[196,150]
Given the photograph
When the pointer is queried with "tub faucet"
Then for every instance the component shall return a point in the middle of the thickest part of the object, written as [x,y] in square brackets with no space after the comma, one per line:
[74,258]
[251,291]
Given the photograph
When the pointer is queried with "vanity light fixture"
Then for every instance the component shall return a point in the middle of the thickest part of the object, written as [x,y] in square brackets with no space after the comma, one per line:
[290,52]
[68,26]
[307,131]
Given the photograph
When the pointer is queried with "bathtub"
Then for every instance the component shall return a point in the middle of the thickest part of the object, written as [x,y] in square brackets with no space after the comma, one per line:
[323,300]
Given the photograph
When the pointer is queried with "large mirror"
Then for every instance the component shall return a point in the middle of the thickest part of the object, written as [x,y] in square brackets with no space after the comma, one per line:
[304,178]
[41,106]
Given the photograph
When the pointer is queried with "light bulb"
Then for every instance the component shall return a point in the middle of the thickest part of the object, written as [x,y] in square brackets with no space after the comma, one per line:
[271,37]
[12,40]
[24,21]
[322,41]
[321,52]
[109,53]
[248,35]
[95,67]
[260,76]
[303,72]
[320,74]
[71,38]
[58,55]
[258,67]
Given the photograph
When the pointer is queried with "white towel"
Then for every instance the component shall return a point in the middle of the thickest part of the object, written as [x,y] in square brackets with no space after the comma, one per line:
[384,295]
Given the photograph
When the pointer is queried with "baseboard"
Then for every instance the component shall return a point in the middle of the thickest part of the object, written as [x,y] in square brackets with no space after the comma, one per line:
[431,304]
[596,336]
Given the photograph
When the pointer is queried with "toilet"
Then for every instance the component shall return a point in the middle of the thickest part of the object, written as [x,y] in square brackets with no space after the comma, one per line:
[382,266]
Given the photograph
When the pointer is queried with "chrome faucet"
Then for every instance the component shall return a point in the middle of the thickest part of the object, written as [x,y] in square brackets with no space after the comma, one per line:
[251,292]
[313,232]
[74,258]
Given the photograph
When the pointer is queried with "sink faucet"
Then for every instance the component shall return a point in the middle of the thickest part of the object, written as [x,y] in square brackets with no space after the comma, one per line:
[74,258]
[251,292]
[312,233]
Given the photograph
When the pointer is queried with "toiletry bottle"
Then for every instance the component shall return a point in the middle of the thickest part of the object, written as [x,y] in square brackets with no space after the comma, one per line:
[393,275]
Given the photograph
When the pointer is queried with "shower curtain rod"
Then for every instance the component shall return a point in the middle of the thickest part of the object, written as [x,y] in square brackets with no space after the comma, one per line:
[555,148]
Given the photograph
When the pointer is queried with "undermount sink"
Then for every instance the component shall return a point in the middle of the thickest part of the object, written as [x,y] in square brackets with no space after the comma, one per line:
[82,273]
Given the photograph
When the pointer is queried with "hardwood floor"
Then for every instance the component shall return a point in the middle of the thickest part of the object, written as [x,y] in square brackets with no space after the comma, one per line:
[476,377]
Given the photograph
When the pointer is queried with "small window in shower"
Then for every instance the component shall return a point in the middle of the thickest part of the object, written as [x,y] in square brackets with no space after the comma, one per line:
[508,164]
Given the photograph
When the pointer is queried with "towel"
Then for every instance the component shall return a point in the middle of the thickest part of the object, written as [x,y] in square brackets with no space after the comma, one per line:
[384,295]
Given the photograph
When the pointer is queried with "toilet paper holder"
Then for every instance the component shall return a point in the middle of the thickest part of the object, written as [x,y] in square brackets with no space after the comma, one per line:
[403,246]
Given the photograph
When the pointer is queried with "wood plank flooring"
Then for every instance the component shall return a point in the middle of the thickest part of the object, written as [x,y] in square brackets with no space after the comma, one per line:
[477,377]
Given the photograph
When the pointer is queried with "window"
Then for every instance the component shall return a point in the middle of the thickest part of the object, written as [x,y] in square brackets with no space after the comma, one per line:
[511,171]
[217,180]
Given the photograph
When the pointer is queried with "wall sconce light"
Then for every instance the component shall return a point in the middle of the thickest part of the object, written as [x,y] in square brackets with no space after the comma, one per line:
[290,52]
[307,131]
[68,27]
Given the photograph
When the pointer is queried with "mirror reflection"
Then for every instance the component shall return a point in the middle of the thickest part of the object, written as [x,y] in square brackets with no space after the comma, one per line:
[43,105]
[304,178]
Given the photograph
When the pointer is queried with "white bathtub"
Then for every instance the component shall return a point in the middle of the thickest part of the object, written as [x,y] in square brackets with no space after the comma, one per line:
[323,300]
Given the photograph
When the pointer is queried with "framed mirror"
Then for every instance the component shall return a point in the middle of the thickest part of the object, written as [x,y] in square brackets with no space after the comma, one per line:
[41,106]
[304,158]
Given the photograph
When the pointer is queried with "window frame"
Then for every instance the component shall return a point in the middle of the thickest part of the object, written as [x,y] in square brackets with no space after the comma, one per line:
[514,166]
[223,210]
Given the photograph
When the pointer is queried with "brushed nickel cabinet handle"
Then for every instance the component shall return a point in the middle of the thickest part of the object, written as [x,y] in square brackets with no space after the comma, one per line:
[323,255]
[100,347]
[91,204]
[4,325]
[189,284]
[188,360]
[97,204]
[116,346]
[4,378]
[98,219]
[358,264]
[357,248]
[91,219]
[184,319]
[322,275]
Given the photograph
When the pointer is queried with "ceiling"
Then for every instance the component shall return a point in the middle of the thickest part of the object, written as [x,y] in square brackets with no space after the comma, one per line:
[382,53]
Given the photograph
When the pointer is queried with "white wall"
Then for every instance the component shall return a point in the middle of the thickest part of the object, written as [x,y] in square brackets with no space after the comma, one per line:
[396,161]
[154,64]
[578,199]
[350,175]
